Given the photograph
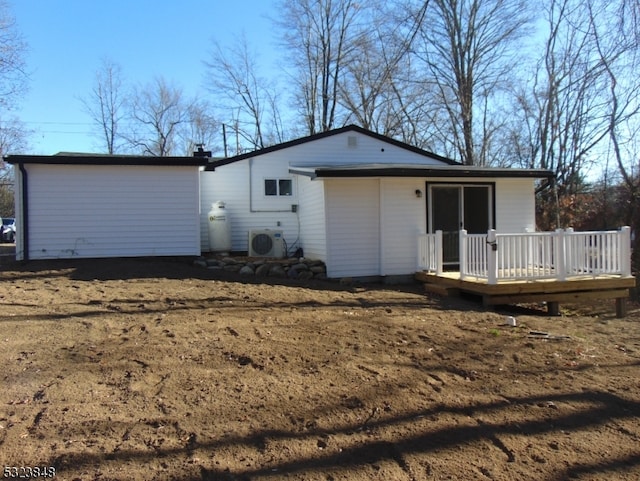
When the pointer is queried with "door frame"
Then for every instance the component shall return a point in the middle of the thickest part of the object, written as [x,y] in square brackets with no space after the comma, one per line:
[460,185]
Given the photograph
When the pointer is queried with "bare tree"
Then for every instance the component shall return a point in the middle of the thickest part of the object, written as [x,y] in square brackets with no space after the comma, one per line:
[13,76]
[247,98]
[202,128]
[318,36]
[576,104]
[13,83]
[374,90]
[13,138]
[106,104]
[467,49]
[157,111]
[617,41]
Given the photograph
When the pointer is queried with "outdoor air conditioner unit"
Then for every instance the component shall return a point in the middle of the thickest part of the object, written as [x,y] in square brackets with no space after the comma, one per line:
[266,243]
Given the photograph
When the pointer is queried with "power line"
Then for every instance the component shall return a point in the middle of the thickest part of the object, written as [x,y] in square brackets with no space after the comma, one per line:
[64,132]
[34,122]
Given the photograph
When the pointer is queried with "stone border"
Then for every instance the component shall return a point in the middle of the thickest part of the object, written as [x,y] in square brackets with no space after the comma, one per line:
[302,269]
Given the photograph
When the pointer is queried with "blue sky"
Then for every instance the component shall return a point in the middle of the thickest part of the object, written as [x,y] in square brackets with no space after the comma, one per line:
[67,40]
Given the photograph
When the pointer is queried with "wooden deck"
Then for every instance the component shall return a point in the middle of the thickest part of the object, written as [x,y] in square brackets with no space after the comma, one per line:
[551,291]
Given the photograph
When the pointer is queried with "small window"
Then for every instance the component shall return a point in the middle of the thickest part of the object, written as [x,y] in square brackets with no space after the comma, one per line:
[270,187]
[278,187]
[285,187]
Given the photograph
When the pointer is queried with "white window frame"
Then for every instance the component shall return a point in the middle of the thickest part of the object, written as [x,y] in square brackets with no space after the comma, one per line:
[278,194]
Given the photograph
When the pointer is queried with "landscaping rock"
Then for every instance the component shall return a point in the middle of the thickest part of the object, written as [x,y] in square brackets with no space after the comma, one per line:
[305,275]
[262,270]
[293,268]
[200,263]
[277,270]
[246,271]
[296,271]
[232,267]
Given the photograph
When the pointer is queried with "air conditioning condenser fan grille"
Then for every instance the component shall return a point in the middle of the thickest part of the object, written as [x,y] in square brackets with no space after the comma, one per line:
[262,244]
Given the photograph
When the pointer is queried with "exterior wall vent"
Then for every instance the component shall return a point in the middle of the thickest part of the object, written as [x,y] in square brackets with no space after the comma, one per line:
[352,141]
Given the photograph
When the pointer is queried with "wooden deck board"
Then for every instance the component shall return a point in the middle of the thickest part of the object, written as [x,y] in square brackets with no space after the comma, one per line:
[545,286]
[558,297]
[548,290]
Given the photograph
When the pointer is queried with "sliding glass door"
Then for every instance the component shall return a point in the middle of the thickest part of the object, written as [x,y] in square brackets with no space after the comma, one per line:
[453,207]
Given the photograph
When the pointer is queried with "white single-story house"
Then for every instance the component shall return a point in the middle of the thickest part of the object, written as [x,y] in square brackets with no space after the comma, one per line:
[354,199]
[358,200]
[92,206]
[364,204]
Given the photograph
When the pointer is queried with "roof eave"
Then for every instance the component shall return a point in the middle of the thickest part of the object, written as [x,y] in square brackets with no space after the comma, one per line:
[423,172]
[87,159]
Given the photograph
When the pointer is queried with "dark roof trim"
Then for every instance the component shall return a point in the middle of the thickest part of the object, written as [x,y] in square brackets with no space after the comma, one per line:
[421,171]
[98,159]
[349,128]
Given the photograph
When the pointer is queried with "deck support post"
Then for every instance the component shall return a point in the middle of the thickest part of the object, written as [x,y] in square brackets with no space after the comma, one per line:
[553,308]
[621,307]
[492,257]
[487,304]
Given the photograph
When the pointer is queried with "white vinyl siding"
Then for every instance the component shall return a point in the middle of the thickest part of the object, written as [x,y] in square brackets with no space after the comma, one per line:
[112,211]
[335,150]
[241,186]
[515,205]
[248,209]
[230,189]
[353,227]
[358,226]
[313,237]
[402,218]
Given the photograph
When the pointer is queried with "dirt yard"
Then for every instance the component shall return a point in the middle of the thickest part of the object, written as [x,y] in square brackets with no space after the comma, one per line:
[159,370]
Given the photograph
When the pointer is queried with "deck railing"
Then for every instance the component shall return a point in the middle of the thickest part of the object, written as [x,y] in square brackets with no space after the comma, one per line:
[430,252]
[531,256]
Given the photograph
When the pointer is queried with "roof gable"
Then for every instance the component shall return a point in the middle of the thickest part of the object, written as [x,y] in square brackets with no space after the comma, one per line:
[323,135]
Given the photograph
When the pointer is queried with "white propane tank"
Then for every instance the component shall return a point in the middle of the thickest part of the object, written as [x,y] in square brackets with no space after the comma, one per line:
[219,229]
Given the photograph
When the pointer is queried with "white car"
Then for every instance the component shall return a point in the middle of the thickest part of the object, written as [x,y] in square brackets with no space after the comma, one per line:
[8,229]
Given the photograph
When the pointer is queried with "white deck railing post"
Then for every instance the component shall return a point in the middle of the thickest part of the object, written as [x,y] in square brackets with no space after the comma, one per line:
[625,251]
[571,254]
[492,257]
[463,253]
[438,252]
[422,252]
[559,255]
